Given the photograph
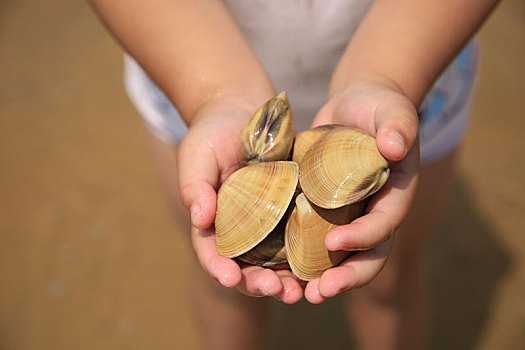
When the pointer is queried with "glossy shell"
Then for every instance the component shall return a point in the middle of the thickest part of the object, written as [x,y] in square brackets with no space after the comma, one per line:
[250,204]
[342,167]
[304,140]
[268,136]
[305,235]
[271,252]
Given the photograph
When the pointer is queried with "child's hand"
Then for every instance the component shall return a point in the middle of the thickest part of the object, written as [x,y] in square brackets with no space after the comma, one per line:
[207,155]
[382,110]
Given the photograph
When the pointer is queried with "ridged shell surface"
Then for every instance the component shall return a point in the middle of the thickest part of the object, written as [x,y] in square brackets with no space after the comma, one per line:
[342,167]
[304,140]
[304,238]
[250,204]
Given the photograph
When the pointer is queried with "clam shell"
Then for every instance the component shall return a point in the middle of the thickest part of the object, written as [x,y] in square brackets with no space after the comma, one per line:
[342,167]
[250,203]
[304,140]
[271,252]
[305,235]
[268,136]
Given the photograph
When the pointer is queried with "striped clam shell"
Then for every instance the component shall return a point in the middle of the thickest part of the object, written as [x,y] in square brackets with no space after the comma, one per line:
[305,234]
[342,167]
[250,204]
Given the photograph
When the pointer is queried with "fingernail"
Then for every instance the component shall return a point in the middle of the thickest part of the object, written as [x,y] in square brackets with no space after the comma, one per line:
[195,212]
[396,140]
[264,288]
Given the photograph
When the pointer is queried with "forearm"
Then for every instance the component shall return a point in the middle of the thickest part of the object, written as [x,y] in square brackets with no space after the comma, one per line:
[191,48]
[409,42]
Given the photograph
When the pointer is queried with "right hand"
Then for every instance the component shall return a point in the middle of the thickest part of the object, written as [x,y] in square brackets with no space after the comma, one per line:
[380,108]
[207,155]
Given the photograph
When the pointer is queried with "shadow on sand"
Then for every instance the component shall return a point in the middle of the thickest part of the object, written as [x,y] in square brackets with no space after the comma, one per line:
[467,265]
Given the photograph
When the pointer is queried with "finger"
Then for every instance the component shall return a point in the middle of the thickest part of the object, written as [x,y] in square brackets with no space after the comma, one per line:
[292,291]
[363,233]
[198,177]
[397,127]
[259,282]
[223,269]
[312,294]
[386,211]
[354,272]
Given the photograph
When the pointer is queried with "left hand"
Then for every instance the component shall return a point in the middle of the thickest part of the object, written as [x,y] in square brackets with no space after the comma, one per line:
[379,108]
[206,157]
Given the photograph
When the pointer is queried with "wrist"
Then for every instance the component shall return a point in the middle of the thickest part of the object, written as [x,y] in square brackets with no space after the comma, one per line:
[362,78]
[358,69]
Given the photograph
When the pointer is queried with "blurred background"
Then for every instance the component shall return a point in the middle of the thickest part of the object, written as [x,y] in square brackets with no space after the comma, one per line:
[89,254]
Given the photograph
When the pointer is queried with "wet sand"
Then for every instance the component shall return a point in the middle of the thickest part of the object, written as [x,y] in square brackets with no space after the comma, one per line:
[90,257]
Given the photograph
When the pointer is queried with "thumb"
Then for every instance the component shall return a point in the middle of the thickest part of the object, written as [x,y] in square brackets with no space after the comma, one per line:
[397,129]
[198,173]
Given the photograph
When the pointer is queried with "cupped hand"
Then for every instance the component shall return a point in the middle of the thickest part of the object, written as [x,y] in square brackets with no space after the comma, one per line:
[207,155]
[383,111]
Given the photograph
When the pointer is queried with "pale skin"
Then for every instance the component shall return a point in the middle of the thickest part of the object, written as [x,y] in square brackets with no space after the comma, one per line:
[197,55]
